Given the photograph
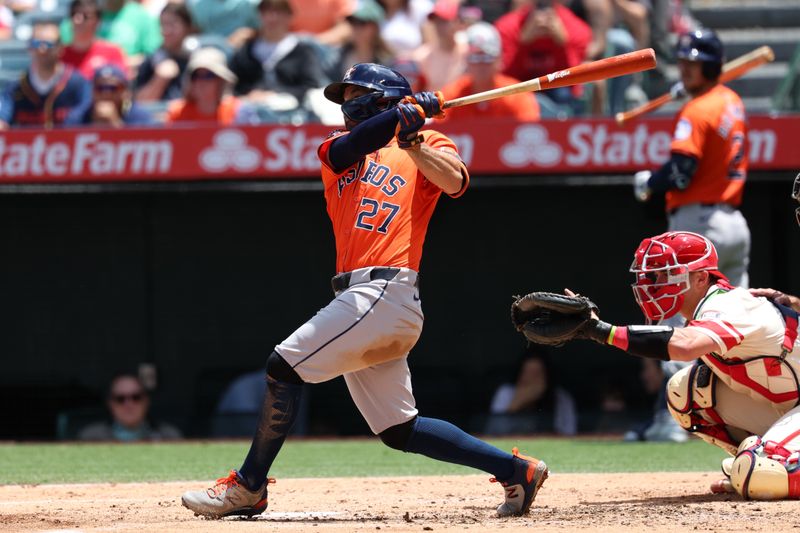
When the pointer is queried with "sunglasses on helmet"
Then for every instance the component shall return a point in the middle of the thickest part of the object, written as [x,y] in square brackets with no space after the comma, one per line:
[365,106]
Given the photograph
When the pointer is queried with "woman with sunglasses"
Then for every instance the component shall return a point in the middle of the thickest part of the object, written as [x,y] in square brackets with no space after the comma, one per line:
[206,87]
[128,404]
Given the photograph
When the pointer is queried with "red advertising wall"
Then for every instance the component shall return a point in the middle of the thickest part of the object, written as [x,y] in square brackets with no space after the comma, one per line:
[280,152]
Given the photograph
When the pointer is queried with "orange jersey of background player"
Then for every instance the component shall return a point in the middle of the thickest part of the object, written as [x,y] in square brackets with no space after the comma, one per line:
[380,207]
[712,129]
[521,106]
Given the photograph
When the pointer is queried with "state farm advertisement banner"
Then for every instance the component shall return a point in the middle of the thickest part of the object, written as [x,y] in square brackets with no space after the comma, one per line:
[281,152]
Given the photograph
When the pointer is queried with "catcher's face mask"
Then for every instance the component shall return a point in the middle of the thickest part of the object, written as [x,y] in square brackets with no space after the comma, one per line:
[661,280]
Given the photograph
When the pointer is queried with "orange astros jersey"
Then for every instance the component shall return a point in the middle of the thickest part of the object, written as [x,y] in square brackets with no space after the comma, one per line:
[712,129]
[380,207]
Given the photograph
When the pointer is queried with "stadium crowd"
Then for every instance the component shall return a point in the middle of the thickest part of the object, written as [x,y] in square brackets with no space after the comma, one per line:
[125,62]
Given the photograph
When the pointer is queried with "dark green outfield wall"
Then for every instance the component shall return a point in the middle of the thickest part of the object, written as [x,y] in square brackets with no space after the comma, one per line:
[203,284]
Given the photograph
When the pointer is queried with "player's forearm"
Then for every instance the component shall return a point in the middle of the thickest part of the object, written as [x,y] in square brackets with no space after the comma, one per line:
[440,168]
[365,138]
[677,173]
[653,342]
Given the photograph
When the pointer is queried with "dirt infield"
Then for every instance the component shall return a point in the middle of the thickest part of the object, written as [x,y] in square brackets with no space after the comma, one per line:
[567,502]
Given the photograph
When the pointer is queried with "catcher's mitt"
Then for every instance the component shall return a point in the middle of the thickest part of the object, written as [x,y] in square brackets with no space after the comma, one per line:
[552,319]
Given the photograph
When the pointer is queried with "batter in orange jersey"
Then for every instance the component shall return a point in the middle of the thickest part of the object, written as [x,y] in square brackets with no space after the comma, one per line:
[382,178]
[705,175]
[380,207]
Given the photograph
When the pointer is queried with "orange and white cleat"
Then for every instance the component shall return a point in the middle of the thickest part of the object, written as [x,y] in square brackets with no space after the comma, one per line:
[522,487]
[228,497]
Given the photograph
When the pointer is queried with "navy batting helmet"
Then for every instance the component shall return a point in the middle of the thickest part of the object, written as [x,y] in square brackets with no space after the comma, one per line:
[702,45]
[388,87]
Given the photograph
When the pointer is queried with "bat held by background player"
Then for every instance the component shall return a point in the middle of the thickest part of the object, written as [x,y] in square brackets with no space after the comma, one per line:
[602,69]
[730,71]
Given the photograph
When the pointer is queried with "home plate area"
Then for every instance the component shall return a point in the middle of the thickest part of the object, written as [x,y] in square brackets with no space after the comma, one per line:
[567,502]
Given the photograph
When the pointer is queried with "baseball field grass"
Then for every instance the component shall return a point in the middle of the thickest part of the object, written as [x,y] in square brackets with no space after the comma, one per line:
[119,463]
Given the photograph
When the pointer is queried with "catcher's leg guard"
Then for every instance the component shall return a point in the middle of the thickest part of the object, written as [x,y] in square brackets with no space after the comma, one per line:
[690,400]
[765,470]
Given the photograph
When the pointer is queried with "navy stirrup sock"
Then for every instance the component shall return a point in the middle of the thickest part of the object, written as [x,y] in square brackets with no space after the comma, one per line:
[277,416]
[443,441]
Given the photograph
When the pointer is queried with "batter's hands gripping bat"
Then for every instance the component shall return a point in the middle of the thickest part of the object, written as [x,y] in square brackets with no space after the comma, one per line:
[601,69]
[730,71]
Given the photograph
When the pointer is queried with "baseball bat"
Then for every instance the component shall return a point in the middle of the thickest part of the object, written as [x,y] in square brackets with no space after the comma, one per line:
[730,71]
[601,69]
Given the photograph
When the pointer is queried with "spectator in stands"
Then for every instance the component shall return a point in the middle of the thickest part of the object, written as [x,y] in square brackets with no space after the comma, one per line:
[49,93]
[483,74]
[207,97]
[160,74]
[128,404]
[540,37]
[87,53]
[405,28]
[533,403]
[276,63]
[236,20]
[660,426]
[443,59]
[112,105]
[6,22]
[618,27]
[365,44]
[127,24]
[324,19]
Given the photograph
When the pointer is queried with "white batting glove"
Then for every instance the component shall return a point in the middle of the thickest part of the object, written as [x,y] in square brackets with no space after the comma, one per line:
[641,190]
[677,91]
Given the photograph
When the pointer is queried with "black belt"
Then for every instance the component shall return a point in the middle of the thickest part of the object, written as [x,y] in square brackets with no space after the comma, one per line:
[342,281]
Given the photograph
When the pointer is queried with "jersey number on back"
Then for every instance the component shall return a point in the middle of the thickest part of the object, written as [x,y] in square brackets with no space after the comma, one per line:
[737,151]
[370,210]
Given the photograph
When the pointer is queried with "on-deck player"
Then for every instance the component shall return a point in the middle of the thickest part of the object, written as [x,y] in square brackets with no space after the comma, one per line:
[705,174]
[382,178]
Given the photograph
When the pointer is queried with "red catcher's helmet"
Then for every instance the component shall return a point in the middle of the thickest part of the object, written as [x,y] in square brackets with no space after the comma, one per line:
[662,265]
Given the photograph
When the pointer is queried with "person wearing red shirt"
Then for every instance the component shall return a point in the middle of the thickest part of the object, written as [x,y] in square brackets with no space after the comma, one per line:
[482,74]
[87,53]
[540,37]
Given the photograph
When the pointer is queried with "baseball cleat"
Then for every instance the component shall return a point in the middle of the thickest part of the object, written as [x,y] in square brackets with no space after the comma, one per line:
[522,487]
[228,497]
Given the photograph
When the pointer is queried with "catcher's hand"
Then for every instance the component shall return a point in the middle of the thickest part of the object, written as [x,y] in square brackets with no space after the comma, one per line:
[553,319]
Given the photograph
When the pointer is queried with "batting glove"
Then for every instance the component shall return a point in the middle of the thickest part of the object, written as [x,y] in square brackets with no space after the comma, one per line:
[641,189]
[677,91]
[430,102]
[410,118]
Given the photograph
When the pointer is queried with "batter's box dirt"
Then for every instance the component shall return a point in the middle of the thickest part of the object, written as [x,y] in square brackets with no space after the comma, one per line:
[567,502]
